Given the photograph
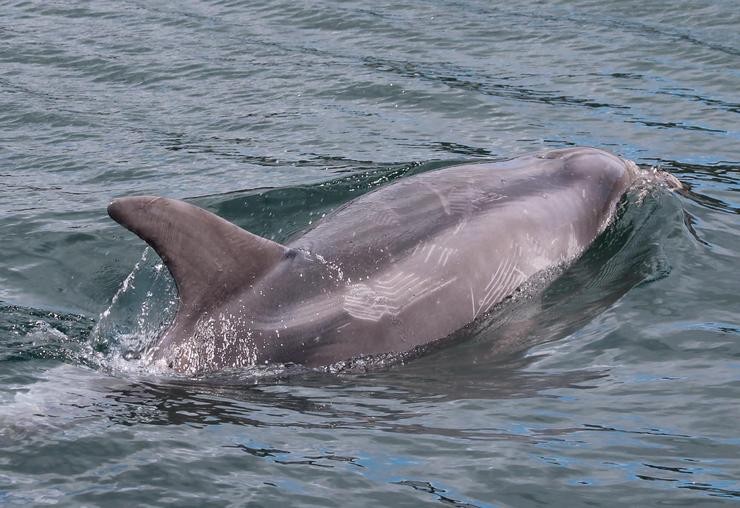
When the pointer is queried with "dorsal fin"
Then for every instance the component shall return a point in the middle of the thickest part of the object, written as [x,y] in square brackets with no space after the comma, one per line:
[208,256]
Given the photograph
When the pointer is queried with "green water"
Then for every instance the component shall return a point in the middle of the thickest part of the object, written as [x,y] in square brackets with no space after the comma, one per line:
[616,385]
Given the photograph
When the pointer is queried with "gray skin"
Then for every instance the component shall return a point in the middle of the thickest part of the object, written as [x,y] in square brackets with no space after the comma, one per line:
[399,267]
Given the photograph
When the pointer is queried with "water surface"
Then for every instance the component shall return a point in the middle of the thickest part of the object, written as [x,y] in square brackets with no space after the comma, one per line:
[617,385]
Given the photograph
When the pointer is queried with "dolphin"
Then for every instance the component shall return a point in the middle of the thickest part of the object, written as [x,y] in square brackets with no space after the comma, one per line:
[405,265]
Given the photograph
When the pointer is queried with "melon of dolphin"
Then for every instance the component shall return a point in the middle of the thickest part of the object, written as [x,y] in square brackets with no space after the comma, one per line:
[399,267]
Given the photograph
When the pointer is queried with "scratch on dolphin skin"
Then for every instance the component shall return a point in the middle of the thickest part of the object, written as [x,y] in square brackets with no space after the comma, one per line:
[386,216]
[506,277]
[305,312]
[464,200]
[459,227]
[429,252]
[389,296]
[490,287]
[345,325]
[443,255]
[442,199]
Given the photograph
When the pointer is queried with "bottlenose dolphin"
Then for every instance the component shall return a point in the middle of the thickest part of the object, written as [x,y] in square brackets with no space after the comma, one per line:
[402,266]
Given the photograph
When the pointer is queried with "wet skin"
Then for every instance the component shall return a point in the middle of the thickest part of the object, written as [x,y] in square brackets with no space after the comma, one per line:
[403,266]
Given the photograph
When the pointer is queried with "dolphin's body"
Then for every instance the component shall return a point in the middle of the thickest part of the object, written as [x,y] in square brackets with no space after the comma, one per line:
[405,265]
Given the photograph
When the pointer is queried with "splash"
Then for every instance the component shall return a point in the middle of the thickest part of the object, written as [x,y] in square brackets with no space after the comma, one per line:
[138,314]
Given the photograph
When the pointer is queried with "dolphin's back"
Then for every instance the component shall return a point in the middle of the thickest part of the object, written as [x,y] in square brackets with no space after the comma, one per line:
[398,267]
[375,228]
[419,259]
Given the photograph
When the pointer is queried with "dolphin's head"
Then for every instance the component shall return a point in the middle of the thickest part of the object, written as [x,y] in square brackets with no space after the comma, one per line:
[632,168]
[585,161]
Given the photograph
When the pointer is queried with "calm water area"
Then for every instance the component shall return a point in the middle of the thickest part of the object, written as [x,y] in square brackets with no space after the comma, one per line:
[623,385]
